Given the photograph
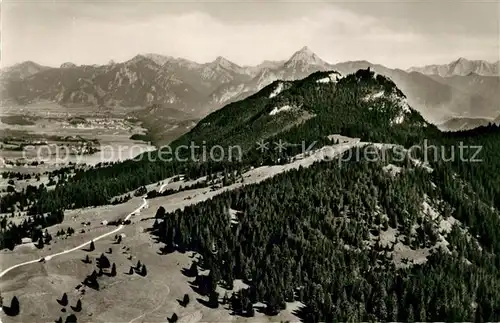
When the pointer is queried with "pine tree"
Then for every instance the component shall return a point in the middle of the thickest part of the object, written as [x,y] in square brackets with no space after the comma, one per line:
[59,320]
[78,306]
[174,318]
[113,270]
[71,319]
[47,237]
[40,243]
[393,308]
[64,299]
[110,250]
[214,299]
[225,299]
[250,311]
[92,247]
[422,315]
[138,266]
[104,261]
[131,271]
[411,317]
[87,259]
[160,213]
[144,272]
[193,270]
[14,306]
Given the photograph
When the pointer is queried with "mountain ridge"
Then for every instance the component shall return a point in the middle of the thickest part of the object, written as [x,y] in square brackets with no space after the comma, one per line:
[200,88]
[459,67]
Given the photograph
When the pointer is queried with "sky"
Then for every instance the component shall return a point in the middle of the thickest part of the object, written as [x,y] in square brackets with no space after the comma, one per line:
[398,34]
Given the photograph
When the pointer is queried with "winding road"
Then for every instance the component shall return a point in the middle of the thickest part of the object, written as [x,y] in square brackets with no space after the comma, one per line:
[120,227]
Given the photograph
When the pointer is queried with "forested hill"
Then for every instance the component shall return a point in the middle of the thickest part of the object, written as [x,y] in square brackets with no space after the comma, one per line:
[362,105]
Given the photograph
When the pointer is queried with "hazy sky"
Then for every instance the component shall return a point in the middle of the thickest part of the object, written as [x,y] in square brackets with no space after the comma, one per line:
[393,33]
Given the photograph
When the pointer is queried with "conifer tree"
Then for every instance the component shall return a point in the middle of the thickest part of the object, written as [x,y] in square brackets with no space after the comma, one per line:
[92,247]
[411,317]
[160,213]
[64,299]
[47,237]
[250,311]
[113,270]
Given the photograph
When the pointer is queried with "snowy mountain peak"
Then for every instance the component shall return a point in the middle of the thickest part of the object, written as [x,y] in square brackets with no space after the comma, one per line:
[223,62]
[307,50]
[304,56]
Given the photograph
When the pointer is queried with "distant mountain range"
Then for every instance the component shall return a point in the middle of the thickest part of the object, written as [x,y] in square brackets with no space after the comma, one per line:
[460,67]
[177,90]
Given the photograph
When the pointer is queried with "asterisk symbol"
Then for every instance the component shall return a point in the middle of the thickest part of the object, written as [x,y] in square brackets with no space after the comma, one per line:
[262,145]
[280,146]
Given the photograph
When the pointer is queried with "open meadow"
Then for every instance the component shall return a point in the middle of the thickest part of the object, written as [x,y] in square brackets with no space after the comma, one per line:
[125,297]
